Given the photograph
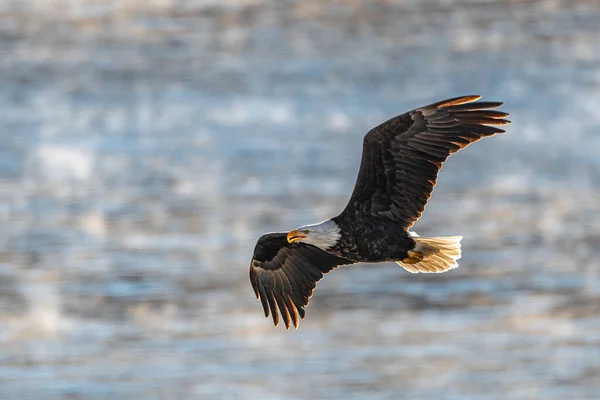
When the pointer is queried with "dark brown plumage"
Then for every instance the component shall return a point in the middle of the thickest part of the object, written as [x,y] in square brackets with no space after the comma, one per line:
[284,275]
[400,162]
[401,157]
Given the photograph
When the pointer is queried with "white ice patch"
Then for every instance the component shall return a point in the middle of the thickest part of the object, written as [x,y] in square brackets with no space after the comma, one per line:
[44,317]
[339,121]
[66,162]
[251,111]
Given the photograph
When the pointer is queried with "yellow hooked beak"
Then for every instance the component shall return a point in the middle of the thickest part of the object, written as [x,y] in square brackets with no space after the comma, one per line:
[295,236]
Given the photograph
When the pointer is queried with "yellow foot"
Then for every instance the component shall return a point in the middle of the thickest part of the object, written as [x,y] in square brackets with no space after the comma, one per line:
[413,257]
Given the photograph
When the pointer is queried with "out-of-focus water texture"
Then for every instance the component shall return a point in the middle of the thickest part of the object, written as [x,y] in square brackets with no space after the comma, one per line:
[145,145]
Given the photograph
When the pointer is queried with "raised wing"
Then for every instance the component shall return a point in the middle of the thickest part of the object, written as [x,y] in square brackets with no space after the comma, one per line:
[402,157]
[284,275]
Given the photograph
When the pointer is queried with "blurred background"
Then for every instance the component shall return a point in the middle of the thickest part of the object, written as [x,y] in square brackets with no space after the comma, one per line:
[146,145]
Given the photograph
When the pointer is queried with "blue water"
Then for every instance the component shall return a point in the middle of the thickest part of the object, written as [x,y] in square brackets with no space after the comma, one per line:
[145,146]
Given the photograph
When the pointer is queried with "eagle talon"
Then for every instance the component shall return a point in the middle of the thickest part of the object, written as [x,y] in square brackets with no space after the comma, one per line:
[413,257]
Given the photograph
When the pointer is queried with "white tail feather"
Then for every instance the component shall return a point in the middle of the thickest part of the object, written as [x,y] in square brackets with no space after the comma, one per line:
[439,254]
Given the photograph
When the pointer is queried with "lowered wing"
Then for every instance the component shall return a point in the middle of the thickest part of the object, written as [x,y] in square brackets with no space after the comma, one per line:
[284,275]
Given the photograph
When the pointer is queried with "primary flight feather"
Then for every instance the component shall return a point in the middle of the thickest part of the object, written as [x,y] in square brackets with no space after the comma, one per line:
[401,159]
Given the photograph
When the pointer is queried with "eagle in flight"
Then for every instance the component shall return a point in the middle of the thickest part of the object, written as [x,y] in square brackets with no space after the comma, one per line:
[401,159]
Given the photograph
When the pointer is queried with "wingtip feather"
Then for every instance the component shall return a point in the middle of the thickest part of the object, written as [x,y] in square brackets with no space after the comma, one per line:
[273,307]
[253,281]
[458,101]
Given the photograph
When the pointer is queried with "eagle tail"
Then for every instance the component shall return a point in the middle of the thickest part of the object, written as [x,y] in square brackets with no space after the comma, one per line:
[432,254]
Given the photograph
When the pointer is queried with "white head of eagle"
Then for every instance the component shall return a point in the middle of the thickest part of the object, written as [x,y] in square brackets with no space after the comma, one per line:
[323,235]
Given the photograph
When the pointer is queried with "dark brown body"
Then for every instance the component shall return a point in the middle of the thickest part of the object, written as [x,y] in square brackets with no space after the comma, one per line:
[387,240]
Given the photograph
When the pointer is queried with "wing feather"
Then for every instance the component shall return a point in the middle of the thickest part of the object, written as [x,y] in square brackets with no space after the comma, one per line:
[263,300]
[284,276]
[402,157]
[272,306]
[482,105]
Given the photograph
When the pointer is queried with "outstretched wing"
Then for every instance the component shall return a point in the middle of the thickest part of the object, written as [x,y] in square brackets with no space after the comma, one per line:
[284,275]
[402,157]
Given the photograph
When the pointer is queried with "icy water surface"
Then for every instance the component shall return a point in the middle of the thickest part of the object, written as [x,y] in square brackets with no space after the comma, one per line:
[145,146]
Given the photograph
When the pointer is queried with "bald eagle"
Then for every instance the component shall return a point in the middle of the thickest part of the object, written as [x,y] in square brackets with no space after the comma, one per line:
[401,159]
